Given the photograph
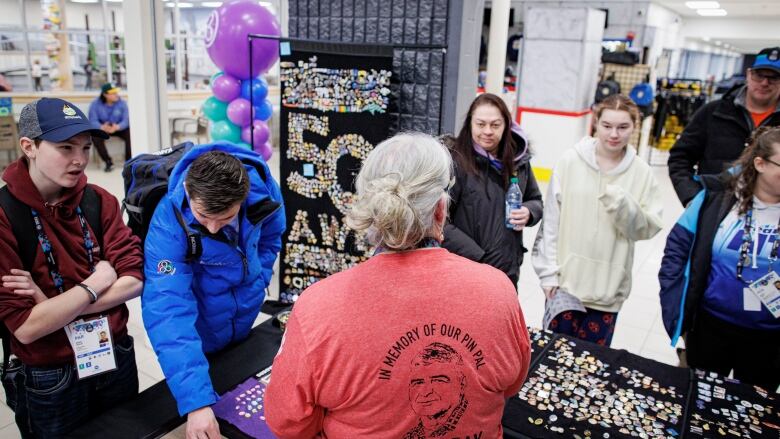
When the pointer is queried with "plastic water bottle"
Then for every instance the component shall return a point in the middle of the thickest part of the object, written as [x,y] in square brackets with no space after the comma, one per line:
[514,200]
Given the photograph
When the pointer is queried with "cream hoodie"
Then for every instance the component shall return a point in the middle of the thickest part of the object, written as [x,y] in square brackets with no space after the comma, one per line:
[591,221]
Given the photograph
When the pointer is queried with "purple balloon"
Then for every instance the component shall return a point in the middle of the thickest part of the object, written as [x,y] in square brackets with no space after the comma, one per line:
[239,112]
[261,134]
[226,88]
[227,42]
[265,150]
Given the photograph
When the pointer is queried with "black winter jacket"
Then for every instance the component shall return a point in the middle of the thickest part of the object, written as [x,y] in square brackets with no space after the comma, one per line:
[476,228]
[716,136]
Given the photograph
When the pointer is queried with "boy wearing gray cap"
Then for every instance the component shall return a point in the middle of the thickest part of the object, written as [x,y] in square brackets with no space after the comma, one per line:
[68,264]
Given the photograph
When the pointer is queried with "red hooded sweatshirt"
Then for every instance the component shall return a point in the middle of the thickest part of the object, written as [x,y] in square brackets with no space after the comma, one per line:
[61,224]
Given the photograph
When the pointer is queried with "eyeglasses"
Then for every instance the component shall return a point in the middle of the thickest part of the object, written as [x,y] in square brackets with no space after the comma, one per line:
[770,161]
[759,76]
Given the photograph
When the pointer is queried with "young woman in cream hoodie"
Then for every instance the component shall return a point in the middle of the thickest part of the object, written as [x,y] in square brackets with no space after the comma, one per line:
[601,199]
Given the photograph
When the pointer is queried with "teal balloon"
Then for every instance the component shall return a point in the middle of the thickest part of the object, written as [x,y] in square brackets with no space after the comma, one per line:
[214,109]
[245,145]
[225,130]
[215,76]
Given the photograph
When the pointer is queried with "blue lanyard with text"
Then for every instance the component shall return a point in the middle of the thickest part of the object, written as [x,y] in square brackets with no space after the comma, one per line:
[744,249]
[54,271]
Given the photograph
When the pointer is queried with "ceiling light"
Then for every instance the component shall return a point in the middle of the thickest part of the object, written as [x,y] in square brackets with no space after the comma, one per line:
[712,12]
[718,43]
[181,5]
[211,4]
[84,1]
[114,1]
[705,38]
[703,5]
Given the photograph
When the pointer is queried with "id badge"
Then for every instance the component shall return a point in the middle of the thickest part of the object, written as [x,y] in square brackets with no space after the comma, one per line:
[767,288]
[92,346]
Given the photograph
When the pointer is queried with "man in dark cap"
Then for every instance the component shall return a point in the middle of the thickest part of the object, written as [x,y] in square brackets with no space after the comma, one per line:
[719,131]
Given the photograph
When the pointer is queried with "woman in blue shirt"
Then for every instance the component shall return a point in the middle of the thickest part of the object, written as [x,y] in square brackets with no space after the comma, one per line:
[719,272]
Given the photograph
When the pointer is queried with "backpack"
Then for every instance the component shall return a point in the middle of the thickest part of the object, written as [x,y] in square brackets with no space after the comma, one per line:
[23,228]
[146,183]
[607,88]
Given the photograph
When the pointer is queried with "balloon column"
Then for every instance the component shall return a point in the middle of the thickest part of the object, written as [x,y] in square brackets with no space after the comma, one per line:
[231,112]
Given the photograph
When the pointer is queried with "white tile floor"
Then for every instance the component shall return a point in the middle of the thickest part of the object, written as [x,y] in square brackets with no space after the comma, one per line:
[639,329]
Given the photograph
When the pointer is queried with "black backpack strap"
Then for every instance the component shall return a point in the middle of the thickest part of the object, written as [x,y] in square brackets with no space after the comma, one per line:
[5,337]
[22,226]
[91,207]
[194,245]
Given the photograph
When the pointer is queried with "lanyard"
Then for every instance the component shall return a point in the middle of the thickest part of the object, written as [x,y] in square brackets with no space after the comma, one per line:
[425,243]
[54,271]
[744,248]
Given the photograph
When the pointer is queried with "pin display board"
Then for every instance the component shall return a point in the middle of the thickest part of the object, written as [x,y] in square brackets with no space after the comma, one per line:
[334,111]
[576,389]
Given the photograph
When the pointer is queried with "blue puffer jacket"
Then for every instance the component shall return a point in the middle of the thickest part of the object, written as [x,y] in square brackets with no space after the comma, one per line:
[200,306]
[686,265]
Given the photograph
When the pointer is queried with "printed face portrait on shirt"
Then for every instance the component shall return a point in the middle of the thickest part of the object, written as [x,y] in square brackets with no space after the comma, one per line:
[436,385]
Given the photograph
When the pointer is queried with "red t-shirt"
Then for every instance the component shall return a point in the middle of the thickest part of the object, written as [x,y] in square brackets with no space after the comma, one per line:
[759,117]
[405,345]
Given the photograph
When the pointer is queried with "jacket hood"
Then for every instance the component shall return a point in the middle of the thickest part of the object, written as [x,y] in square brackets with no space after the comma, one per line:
[735,93]
[521,139]
[17,177]
[252,161]
[586,149]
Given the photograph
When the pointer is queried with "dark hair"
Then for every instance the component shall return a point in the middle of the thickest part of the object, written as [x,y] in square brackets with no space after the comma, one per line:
[743,184]
[218,181]
[438,352]
[102,97]
[464,144]
[617,102]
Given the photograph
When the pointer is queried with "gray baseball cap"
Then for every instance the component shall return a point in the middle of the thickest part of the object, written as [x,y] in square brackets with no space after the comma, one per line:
[55,120]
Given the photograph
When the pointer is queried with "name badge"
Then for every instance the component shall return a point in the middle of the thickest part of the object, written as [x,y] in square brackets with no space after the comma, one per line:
[767,288]
[92,346]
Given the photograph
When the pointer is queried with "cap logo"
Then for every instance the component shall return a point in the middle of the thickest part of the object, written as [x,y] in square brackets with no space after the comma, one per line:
[774,55]
[69,112]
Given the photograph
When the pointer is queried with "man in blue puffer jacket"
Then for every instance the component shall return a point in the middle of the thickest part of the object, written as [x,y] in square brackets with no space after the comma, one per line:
[226,197]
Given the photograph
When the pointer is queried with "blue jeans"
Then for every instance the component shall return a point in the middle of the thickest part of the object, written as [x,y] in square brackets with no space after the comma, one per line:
[50,402]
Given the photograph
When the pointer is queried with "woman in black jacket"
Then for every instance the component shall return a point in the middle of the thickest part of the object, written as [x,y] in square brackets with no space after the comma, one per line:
[488,152]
